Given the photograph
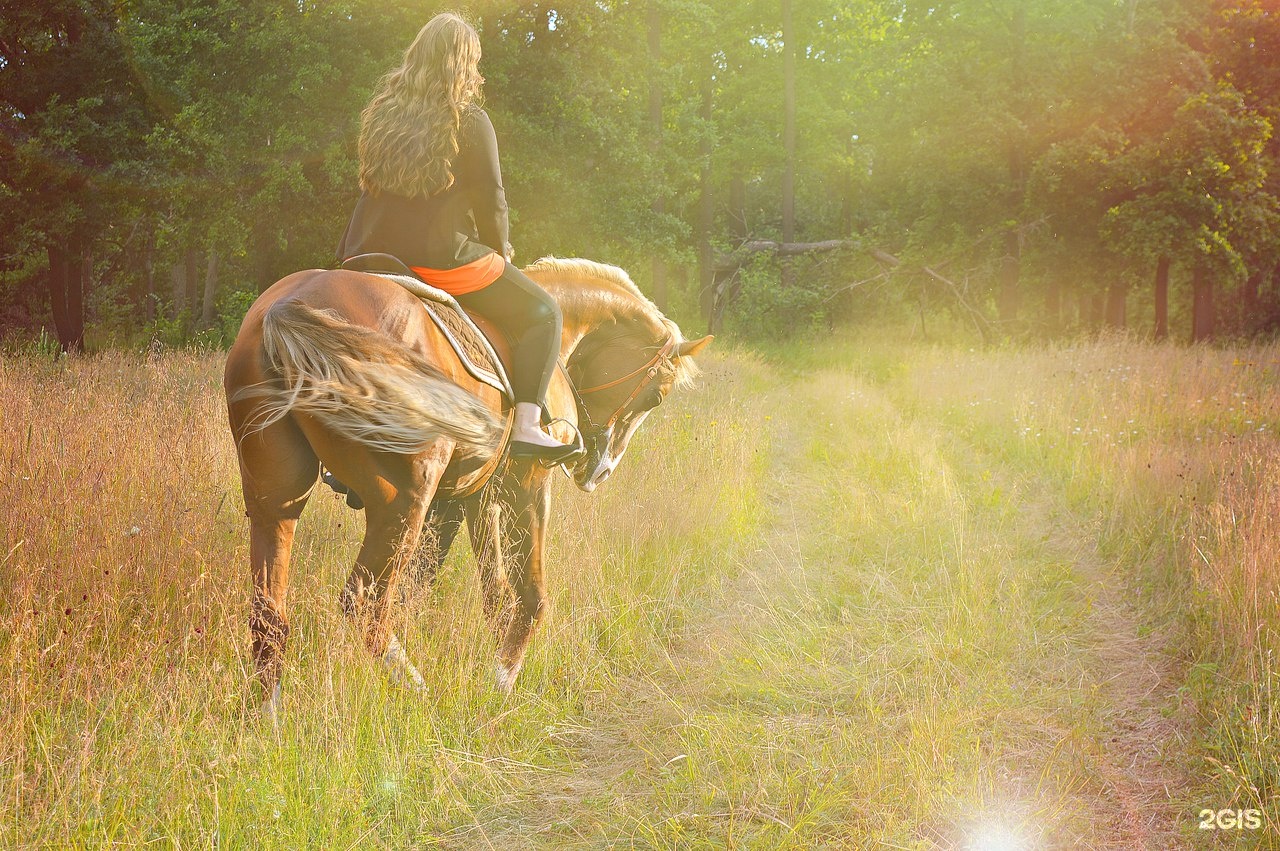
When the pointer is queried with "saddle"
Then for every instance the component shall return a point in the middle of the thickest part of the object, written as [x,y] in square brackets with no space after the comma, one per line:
[482,349]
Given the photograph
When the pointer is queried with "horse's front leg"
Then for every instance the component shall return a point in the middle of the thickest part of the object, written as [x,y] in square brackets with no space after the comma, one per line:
[278,470]
[528,500]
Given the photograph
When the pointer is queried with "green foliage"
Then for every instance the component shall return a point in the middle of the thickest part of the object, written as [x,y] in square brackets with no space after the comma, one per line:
[166,332]
[231,310]
[1198,188]
[766,310]
[1075,142]
[43,347]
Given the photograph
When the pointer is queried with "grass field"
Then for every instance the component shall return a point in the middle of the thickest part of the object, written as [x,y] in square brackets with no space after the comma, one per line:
[867,594]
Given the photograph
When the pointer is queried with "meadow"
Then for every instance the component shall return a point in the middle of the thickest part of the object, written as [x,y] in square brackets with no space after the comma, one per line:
[870,593]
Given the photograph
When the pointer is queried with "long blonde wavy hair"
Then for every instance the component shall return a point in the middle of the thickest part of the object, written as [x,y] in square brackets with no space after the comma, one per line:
[409,130]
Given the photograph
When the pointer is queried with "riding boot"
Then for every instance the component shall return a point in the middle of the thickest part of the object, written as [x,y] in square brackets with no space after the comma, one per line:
[528,440]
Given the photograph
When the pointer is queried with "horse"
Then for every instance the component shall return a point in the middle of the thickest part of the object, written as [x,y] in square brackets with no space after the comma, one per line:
[344,369]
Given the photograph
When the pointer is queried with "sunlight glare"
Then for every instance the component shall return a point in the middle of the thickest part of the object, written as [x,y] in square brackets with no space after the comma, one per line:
[995,837]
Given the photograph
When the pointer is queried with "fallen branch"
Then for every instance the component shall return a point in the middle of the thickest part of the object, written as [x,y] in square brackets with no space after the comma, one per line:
[727,281]
[739,256]
[980,321]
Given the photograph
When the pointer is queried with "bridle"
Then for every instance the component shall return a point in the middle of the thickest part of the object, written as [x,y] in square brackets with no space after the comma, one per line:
[650,370]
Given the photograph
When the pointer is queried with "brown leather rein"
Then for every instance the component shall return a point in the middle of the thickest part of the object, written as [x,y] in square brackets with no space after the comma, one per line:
[652,368]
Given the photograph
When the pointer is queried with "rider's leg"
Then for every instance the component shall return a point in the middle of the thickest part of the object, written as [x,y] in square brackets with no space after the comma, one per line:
[531,318]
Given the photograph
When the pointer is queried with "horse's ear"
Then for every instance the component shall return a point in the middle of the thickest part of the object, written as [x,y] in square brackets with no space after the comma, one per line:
[693,347]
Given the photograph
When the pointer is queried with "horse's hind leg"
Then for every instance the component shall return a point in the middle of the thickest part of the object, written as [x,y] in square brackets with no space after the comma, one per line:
[277,470]
[394,513]
[444,518]
[486,523]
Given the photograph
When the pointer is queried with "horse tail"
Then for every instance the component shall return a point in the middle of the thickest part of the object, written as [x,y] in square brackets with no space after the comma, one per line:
[363,385]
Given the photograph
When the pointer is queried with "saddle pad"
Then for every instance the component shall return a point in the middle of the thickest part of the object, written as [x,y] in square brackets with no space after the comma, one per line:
[469,343]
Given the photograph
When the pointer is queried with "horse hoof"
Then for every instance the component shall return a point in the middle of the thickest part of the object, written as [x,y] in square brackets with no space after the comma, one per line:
[270,709]
[505,677]
[401,671]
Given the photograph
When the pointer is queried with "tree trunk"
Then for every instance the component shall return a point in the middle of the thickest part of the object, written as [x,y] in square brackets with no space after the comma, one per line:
[1053,307]
[788,138]
[1250,302]
[1010,272]
[1097,310]
[846,196]
[209,312]
[191,297]
[70,269]
[79,280]
[266,251]
[149,282]
[1162,298]
[706,204]
[1011,266]
[1202,319]
[178,282]
[738,208]
[1115,316]
[57,282]
[659,204]
[725,287]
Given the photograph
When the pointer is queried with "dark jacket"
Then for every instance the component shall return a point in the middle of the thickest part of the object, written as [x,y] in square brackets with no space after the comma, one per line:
[445,230]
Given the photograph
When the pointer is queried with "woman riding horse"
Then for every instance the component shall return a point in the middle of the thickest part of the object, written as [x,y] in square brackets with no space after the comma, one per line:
[432,196]
[345,369]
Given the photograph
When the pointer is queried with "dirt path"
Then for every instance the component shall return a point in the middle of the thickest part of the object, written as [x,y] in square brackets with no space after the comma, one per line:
[922,650]
[1140,755]
[1140,746]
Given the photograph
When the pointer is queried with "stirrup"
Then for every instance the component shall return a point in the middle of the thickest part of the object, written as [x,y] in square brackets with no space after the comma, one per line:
[548,456]
[353,498]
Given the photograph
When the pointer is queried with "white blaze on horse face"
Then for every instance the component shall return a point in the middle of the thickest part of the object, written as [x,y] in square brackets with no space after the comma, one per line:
[613,453]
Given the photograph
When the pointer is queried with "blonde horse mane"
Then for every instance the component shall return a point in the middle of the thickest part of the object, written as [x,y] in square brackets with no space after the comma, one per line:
[597,293]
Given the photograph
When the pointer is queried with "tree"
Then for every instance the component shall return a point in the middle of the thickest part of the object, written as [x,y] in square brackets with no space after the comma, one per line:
[1196,195]
[75,120]
[991,87]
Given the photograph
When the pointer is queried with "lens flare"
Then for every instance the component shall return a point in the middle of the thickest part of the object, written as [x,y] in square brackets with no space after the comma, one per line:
[996,837]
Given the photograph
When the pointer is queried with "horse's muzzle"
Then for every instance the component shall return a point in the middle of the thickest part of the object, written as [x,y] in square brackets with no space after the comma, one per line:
[596,466]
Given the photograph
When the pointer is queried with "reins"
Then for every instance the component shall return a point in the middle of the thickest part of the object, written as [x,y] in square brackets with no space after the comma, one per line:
[652,369]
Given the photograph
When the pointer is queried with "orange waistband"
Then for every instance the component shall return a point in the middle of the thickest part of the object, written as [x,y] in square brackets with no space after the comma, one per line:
[467,278]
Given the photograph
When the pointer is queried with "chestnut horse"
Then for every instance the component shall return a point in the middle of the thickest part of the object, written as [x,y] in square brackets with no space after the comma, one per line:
[344,369]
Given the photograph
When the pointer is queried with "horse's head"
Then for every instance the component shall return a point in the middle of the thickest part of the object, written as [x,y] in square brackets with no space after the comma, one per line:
[624,356]
[624,370]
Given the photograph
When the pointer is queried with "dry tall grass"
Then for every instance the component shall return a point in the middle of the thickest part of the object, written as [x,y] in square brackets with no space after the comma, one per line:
[124,650]
[809,610]
[1176,453]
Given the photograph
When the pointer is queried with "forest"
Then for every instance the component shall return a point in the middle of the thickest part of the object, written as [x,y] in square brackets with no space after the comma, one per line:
[1023,169]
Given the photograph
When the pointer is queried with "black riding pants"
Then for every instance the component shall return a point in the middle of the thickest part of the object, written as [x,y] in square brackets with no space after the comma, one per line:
[531,319]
